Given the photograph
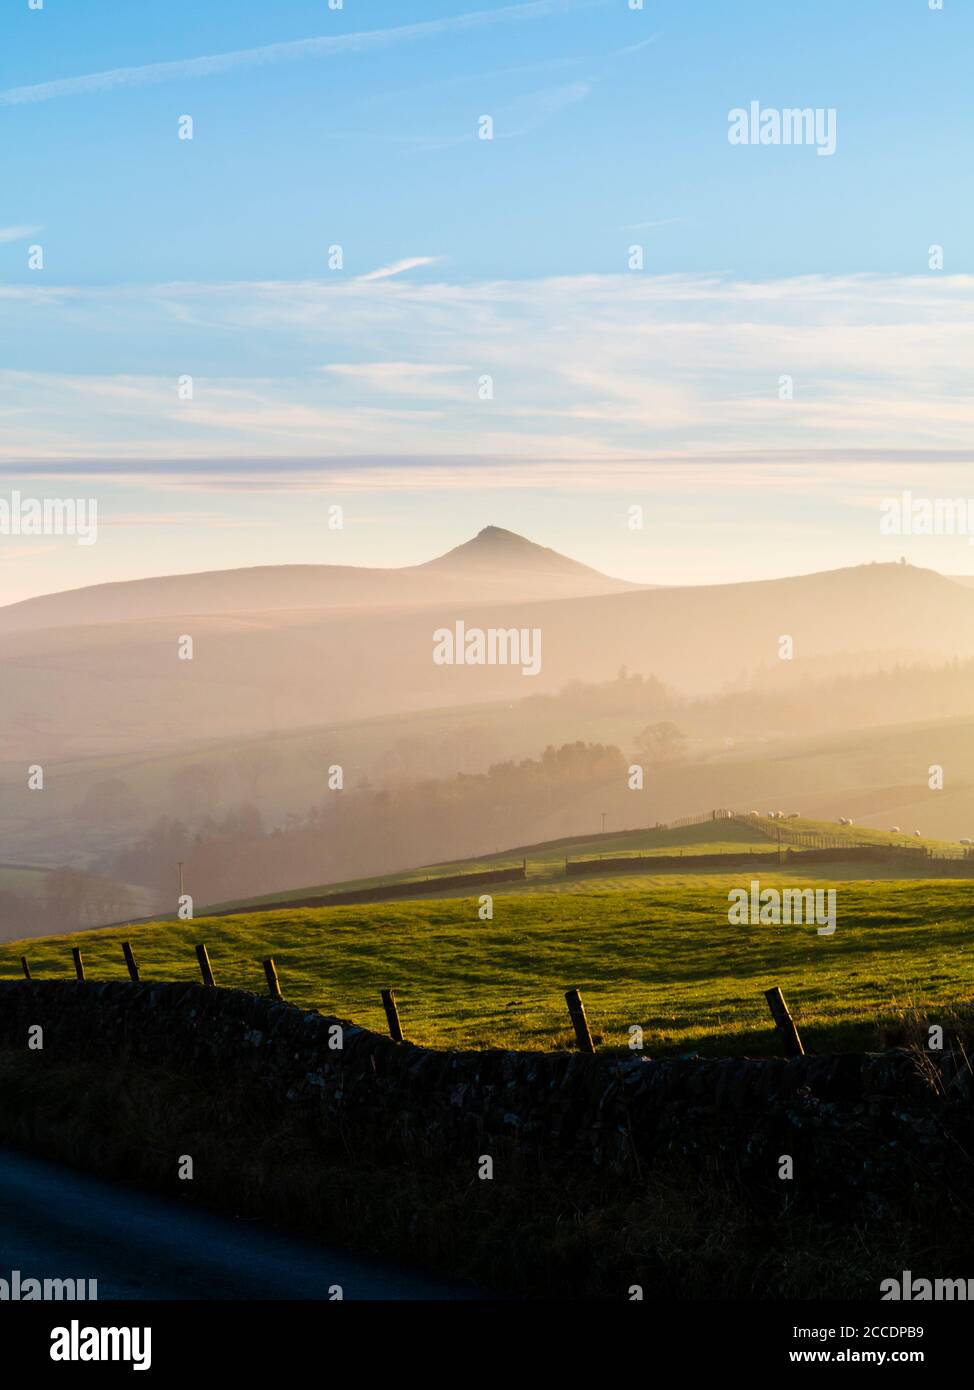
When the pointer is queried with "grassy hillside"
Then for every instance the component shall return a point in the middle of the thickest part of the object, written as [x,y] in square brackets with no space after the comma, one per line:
[658,953]
[546,861]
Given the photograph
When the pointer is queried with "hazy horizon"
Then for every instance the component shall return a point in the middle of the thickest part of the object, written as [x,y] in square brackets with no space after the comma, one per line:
[896,548]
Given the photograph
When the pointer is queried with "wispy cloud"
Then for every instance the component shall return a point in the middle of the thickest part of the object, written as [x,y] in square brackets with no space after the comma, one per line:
[323,46]
[635,47]
[417,380]
[597,367]
[511,119]
[531,111]
[17,233]
[386,272]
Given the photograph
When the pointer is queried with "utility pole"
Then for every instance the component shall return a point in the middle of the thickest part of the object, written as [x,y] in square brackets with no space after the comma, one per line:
[180,881]
[603,822]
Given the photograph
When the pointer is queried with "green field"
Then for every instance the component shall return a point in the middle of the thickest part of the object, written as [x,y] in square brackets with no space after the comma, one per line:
[546,862]
[655,952]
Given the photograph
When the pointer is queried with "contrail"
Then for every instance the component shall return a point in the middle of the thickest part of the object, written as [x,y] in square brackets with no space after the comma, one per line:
[321,47]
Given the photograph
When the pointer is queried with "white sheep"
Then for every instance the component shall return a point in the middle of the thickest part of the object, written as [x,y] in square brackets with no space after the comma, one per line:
[917,834]
[895,830]
[967,842]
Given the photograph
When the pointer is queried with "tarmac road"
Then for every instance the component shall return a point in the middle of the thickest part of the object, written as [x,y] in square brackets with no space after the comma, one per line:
[57,1223]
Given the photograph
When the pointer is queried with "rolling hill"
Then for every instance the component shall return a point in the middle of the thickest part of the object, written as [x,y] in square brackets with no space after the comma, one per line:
[104,684]
[496,565]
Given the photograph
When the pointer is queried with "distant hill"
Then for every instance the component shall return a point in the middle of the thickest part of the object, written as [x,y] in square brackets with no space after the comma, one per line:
[99,687]
[495,564]
[499,554]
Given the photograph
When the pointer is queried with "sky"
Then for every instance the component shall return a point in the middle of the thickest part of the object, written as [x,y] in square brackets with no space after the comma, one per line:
[338,292]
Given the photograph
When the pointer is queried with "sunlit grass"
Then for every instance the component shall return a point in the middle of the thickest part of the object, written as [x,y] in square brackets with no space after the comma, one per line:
[658,953]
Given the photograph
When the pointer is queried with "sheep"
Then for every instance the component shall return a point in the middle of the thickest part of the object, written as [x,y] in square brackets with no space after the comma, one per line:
[967,842]
[794,815]
[895,830]
[917,834]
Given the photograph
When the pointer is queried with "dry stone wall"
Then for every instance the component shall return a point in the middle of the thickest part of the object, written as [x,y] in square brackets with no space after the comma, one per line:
[855,1124]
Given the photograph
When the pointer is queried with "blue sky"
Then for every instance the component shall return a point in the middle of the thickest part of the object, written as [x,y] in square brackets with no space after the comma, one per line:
[464,258]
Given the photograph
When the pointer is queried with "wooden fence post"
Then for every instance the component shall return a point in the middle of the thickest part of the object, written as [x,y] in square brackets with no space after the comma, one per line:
[392,1015]
[273,983]
[79,965]
[205,968]
[23,961]
[579,1022]
[130,962]
[784,1022]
